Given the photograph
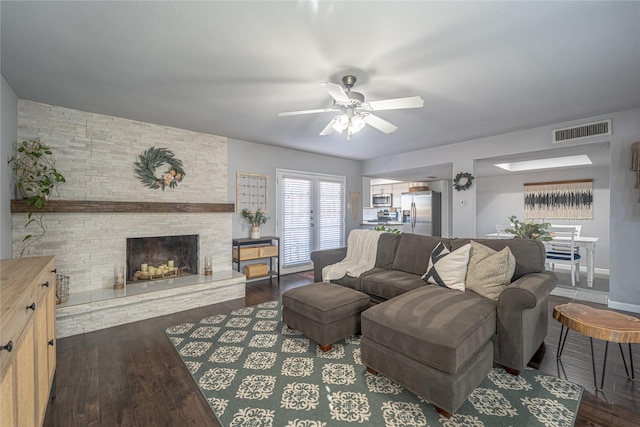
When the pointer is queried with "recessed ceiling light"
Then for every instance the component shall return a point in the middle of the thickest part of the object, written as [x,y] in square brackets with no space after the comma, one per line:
[554,162]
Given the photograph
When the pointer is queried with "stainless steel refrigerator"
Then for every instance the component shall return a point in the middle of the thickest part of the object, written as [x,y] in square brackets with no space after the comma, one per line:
[421,213]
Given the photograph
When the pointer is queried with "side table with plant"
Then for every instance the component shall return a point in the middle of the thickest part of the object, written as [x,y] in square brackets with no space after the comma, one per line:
[37,179]
[255,219]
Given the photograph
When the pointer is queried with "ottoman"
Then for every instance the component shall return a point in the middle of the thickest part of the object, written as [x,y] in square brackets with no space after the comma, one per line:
[324,312]
[434,341]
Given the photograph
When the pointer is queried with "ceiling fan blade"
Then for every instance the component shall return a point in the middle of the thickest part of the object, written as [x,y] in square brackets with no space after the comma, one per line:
[378,123]
[329,128]
[296,113]
[393,104]
[337,92]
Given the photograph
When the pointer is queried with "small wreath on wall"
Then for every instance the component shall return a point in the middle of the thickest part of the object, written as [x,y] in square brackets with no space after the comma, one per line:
[153,158]
[463,181]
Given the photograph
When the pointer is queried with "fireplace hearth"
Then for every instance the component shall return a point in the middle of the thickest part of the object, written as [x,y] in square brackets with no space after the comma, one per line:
[151,258]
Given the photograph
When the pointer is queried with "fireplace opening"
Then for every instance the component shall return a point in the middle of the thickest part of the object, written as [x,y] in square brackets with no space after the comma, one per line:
[152,258]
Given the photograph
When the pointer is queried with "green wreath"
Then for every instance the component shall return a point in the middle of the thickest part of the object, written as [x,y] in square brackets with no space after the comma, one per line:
[152,159]
[462,181]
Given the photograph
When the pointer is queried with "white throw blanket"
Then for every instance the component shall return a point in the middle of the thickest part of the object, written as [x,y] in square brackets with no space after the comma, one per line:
[362,248]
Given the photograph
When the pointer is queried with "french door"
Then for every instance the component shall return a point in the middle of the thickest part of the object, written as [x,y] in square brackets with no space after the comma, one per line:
[311,216]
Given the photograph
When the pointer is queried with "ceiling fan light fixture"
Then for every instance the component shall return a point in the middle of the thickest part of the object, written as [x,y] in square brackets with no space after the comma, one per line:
[354,112]
[357,123]
[341,123]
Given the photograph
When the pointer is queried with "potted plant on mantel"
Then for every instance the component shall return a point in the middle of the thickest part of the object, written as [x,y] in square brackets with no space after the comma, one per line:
[255,219]
[36,178]
[529,230]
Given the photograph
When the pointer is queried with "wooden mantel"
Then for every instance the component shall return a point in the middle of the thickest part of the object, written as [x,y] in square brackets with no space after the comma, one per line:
[88,206]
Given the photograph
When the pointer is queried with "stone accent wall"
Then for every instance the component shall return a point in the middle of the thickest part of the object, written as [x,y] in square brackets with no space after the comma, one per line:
[95,153]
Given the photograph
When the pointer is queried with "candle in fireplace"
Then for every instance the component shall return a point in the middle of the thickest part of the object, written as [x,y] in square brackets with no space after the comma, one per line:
[170,263]
[144,267]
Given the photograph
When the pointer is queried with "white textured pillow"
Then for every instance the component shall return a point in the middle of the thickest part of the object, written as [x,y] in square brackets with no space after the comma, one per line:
[489,271]
[448,269]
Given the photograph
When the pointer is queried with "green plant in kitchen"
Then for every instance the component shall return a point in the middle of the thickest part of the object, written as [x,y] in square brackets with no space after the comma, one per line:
[255,220]
[37,179]
[529,230]
[387,229]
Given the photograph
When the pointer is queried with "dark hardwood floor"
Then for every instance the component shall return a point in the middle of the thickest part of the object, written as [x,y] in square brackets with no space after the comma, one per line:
[131,375]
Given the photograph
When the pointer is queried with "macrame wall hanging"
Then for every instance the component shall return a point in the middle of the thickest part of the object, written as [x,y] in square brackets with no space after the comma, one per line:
[635,162]
[559,200]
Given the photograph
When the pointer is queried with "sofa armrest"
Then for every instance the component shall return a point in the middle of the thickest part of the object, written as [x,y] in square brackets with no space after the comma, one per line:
[327,257]
[523,316]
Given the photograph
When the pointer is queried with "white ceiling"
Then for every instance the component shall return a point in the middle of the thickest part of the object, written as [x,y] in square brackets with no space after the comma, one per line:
[227,68]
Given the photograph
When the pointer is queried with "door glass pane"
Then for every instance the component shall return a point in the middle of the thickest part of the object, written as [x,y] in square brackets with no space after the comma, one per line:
[330,215]
[296,224]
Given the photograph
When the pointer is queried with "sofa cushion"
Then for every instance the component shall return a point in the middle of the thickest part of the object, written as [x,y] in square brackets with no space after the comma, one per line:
[349,282]
[489,271]
[387,284]
[448,269]
[413,251]
[436,326]
[387,244]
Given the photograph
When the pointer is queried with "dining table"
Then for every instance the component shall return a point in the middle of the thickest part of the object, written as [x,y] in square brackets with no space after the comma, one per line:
[586,242]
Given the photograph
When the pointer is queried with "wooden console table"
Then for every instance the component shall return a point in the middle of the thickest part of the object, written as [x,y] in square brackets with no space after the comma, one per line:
[606,325]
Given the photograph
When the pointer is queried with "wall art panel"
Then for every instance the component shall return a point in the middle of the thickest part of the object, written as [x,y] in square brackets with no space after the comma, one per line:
[559,200]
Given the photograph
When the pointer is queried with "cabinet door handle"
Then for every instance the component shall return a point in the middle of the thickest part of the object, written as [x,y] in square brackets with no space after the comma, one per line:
[46,284]
[50,342]
[55,270]
[7,347]
[32,306]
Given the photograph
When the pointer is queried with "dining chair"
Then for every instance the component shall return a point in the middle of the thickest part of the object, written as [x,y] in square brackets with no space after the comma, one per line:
[562,250]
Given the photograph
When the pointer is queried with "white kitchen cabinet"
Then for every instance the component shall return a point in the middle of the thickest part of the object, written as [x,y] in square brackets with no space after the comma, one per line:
[398,189]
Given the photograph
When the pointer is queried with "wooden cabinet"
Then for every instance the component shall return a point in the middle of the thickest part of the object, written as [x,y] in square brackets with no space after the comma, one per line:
[268,247]
[27,337]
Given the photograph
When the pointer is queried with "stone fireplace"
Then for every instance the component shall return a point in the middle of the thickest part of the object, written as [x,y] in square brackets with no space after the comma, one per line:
[178,255]
[102,205]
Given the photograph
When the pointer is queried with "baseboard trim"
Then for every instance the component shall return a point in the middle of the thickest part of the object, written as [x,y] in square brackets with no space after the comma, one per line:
[581,294]
[602,272]
[623,306]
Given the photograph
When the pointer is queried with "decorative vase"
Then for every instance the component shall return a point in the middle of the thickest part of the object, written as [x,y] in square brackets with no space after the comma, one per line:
[118,277]
[255,232]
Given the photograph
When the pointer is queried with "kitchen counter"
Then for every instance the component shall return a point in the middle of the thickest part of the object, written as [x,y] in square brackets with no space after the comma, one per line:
[379,223]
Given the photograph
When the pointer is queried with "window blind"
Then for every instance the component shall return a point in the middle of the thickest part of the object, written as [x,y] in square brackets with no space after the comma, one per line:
[296,224]
[330,215]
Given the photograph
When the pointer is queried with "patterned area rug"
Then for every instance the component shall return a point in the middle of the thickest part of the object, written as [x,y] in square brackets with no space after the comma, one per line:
[308,274]
[254,371]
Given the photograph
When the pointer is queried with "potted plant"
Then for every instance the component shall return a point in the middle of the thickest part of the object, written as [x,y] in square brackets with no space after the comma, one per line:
[255,219]
[36,178]
[529,230]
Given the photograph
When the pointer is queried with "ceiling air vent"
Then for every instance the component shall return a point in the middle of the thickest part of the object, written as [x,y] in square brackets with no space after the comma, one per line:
[582,131]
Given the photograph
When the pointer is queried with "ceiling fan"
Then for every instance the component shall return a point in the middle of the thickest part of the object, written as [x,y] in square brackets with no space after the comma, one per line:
[354,111]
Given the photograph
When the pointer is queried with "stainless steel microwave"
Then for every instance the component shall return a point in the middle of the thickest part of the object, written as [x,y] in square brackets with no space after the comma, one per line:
[382,200]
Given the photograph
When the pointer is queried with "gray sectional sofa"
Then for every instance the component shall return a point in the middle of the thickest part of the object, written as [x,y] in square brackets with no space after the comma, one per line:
[440,342]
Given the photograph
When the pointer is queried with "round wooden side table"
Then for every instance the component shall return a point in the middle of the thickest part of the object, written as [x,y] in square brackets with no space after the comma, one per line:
[606,325]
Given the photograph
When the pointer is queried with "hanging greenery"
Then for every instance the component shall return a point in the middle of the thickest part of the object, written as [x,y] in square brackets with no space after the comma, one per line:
[37,178]
[463,181]
[153,158]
